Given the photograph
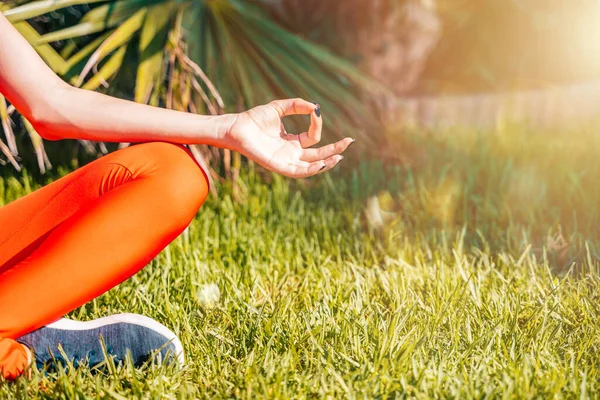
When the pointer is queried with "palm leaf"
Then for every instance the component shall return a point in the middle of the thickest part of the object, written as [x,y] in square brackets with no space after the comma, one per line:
[6,151]
[37,8]
[234,44]
[74,65]
[48,54]
[260,60]
[109,69]
[38,146]
[118,38]
[152,46]
[6,126]
[219,55]
[99,19]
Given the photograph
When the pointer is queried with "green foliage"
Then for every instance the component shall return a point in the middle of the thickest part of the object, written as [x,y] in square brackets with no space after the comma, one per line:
[250,58]
[461,294]
[203,57]
[237,45]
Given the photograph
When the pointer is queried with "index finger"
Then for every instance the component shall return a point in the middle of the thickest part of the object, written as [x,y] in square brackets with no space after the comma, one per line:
[293,107]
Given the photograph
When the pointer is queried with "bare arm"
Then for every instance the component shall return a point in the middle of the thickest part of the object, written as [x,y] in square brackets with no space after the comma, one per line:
[60,111]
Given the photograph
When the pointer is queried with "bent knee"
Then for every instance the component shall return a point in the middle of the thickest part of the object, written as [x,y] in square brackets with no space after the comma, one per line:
[182,184]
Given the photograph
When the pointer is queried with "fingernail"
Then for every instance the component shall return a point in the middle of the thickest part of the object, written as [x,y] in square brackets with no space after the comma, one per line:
[352,142]
[323,167]
[342,157]
[318,110]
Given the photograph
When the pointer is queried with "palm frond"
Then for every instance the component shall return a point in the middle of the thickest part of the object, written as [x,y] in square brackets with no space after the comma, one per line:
[38,146]
[101,18]
[37,8]
[207,56]
[6,126]
[118,38]
[48,54]
[153,37]
[255,60]
[108,70]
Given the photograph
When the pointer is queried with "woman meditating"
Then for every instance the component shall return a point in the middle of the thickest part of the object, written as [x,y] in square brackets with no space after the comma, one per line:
[72,240]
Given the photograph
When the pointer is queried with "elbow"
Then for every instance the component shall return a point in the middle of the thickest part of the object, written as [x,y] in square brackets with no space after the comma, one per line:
[46,128]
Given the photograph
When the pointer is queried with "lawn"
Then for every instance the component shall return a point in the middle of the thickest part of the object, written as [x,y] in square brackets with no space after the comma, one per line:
[482,282]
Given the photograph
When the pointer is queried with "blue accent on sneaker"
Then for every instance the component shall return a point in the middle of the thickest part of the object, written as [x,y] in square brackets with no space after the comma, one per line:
[122,333]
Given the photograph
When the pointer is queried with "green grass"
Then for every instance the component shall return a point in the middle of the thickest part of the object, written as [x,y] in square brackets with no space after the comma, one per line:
[464,292]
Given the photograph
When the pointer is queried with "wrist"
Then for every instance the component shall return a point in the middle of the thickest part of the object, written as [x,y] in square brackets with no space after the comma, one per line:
[226,123]
[212,130]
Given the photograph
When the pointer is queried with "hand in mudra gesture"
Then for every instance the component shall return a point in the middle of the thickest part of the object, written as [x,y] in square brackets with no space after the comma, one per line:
[259,134]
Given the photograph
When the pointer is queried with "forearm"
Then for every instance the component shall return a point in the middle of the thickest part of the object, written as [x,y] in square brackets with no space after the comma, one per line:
[60,111]
[80,114]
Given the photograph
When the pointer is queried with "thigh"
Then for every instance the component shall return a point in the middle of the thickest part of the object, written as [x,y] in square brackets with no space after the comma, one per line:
[114,234]
[25,222]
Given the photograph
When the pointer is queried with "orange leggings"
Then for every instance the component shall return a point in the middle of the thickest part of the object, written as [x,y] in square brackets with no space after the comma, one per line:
[76,238]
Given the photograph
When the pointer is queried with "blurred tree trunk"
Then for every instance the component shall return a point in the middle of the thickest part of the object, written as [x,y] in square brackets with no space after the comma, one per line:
[390,39]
